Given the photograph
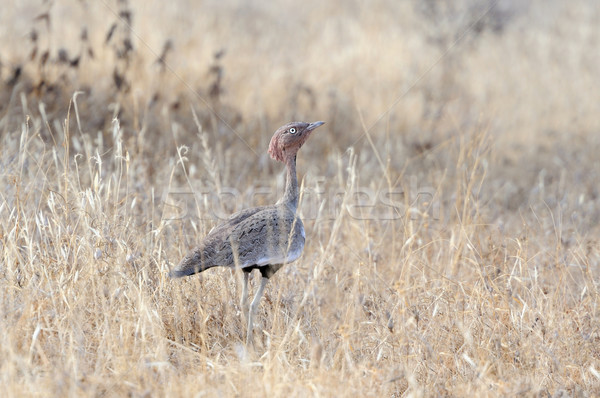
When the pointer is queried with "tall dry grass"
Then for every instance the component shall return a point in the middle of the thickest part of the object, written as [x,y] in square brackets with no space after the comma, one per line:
[451,201]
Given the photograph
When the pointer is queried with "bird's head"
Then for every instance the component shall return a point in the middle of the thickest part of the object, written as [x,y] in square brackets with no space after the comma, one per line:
[289,138]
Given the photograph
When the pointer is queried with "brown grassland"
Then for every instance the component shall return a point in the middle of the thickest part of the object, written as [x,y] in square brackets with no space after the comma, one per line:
[451,201]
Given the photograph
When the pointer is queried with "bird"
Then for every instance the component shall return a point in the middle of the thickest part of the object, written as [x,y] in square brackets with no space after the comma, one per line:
[263,238]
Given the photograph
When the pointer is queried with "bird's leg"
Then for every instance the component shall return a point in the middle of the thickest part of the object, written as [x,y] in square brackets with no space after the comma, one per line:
[244,303]
[253,307]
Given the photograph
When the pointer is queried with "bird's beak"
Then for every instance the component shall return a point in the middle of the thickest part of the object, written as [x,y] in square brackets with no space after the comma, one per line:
[314,125]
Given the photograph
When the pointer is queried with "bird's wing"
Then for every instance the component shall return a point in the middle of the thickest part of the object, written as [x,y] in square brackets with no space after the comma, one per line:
[215,249]
[257,236]
[274,235]
[235,219]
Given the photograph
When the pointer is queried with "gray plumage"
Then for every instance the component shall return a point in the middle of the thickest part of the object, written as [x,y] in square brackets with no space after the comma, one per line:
[263,238]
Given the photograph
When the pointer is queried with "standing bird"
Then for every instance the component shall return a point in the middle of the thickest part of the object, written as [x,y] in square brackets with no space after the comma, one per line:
[263,238]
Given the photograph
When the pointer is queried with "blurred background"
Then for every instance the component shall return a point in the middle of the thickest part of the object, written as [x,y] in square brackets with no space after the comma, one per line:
[397,81]
[523,68]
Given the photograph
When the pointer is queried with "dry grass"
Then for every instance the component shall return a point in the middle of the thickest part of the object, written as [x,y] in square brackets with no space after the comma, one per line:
[451,202]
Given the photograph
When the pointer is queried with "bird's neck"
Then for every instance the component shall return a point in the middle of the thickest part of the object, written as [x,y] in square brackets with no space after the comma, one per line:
[290,197]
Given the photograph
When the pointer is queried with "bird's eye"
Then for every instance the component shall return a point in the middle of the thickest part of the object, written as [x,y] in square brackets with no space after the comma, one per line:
[292,130]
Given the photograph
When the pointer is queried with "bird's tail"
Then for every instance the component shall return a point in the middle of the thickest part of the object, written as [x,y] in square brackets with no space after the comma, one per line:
[191,264]
[179,273]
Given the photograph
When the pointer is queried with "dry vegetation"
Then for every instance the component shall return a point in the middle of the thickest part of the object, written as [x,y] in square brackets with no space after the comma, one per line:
[452,200]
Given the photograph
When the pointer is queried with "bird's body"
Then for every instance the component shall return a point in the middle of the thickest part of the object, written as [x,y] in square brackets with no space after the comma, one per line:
[263,238]
[253,238]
